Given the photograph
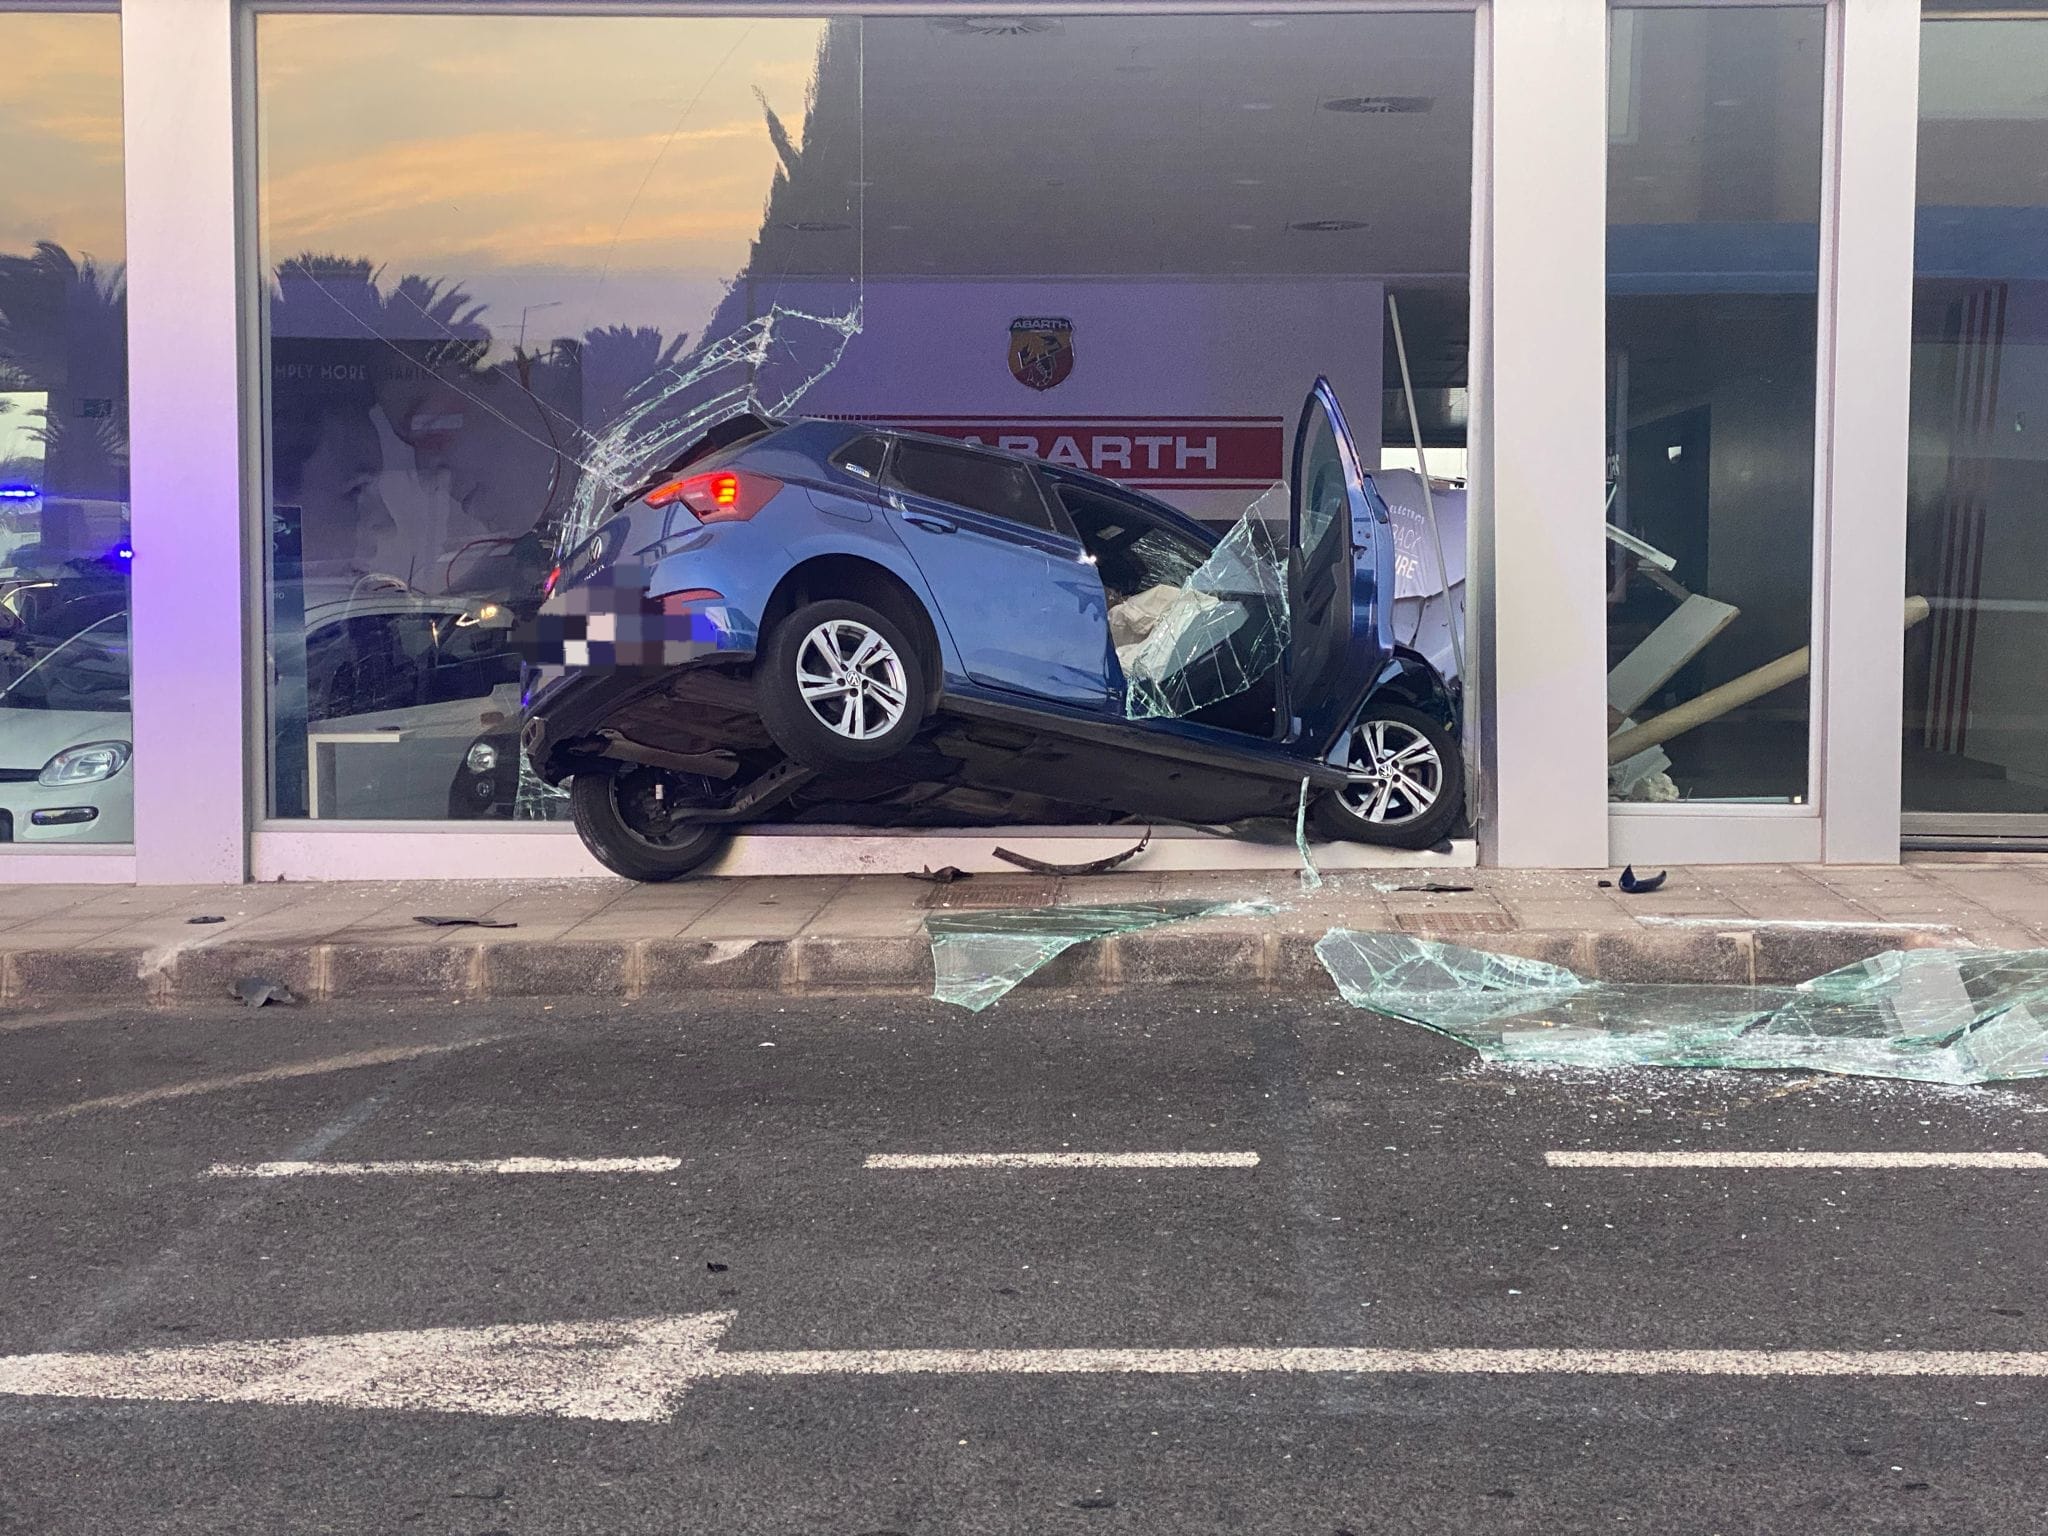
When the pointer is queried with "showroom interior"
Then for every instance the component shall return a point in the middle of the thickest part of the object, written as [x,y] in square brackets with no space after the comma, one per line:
[1712,332]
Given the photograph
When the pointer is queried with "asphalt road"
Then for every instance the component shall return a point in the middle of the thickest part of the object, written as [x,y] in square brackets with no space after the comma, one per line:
[1401,1199]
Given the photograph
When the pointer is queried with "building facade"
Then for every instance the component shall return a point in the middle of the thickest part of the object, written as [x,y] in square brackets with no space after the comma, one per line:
[1717,334]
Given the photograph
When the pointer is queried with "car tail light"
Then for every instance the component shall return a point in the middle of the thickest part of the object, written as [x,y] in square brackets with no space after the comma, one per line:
[720,496]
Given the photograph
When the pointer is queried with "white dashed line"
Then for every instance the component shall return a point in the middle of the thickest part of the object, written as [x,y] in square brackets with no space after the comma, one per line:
[1796,1159]
[917,1161]
[430,1170]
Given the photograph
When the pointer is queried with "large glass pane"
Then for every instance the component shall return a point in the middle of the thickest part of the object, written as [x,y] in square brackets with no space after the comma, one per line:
[518,262]
[64,555]
[1976,721]
[1714,184]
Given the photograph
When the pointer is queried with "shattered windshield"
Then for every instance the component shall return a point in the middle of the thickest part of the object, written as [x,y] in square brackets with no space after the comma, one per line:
[1928,1015]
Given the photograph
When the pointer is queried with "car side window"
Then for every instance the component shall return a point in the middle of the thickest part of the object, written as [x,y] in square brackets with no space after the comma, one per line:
[863,456]
[1132,553]
[1324,495]
[978,481]
[366,663]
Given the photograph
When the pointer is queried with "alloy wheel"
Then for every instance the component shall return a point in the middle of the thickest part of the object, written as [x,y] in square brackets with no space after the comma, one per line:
[1396,773]
[851,680]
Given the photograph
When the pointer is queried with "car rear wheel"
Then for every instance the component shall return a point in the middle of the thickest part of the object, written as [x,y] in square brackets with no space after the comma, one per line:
[839,683]
[1408,781]
[635,822]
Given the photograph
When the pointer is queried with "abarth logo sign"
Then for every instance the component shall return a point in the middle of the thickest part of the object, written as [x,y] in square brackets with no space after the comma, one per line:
[1041,350]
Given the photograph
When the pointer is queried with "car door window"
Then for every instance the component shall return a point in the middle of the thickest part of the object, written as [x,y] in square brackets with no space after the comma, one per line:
[863,457]
[88,672]
[473,659]
[1132,553]
[1324,490]
[979,482]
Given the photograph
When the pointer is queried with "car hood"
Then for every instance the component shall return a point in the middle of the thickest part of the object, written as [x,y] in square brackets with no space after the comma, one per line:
[29,738]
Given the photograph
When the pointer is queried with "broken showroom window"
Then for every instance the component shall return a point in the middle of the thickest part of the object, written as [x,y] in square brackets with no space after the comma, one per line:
[748,453]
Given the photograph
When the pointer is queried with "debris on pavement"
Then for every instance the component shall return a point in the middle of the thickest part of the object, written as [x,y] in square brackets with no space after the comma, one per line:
[1633,884]
[1952,1016]
[256,991]
[1100,866]
[979,956]
[464,922]
[945,874]
[207,919]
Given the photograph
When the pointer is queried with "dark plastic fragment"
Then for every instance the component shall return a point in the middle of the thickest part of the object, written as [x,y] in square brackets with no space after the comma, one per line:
[1092,867]
[255,991]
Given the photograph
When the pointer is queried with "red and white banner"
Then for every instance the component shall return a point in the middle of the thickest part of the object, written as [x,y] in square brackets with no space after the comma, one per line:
[1153,453]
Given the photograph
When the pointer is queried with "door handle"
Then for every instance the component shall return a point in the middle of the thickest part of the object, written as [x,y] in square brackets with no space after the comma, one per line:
[928,522]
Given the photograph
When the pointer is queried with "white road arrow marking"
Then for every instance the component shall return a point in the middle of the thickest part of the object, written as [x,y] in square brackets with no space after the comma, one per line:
[623,1370]
[632,1370]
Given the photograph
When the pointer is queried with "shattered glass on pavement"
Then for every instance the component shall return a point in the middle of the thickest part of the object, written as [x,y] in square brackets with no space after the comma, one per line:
[1226,629]
[1952,1016]
[979,956]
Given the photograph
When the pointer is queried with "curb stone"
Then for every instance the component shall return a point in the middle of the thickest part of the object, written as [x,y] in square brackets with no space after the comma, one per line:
[1228,961]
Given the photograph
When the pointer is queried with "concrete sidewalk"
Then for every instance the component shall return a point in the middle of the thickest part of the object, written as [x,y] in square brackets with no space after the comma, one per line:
[864,934]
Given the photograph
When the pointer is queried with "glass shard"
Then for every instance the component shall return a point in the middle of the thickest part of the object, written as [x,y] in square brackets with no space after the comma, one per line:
[1226,628]
[1925,1015]
[978,956]
[1311,877]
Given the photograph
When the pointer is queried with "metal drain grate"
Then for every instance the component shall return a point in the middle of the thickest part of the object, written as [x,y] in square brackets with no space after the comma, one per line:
[1454,922]
[982,892]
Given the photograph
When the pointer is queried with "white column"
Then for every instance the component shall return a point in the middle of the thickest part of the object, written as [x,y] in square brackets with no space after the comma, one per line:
[1539,614]
[1860,686]
[185,441]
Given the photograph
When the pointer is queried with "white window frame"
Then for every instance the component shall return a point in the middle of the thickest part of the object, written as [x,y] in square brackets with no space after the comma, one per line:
[1538,658]
[1862,390]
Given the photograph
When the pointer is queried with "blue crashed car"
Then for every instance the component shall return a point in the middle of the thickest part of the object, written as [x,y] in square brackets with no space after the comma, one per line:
[902,627]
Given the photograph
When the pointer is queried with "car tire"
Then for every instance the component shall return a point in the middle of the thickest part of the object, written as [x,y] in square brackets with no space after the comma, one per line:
[601,803]
[839,684]
[1420,754]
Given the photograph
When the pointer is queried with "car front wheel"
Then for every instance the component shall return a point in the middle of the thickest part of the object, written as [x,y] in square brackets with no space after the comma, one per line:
[635,823]
[1407,784]
[838,684]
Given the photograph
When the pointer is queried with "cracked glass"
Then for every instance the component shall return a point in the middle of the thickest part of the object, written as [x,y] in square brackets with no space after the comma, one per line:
[1926,1015]
[979,956]
[1225,629]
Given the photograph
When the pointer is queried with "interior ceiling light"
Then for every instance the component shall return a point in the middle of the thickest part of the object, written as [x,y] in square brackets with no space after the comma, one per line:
[1380,106]
[816,226]
[1257,106]
[1327,226]
[995,26]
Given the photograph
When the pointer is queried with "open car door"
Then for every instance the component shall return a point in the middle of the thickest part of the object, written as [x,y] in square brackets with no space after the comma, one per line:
[1340,576]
